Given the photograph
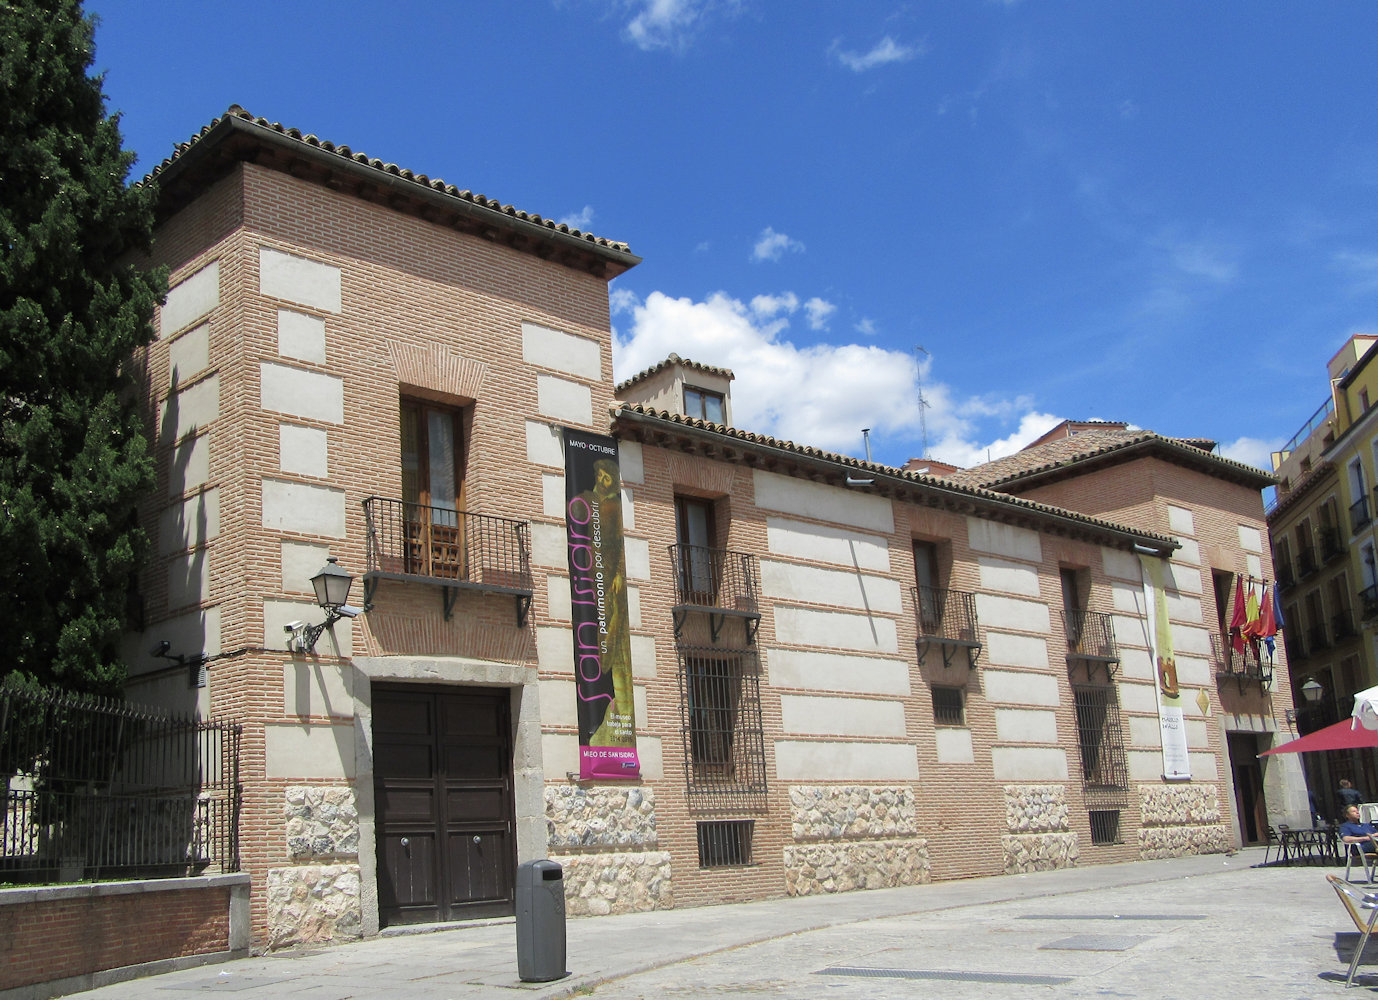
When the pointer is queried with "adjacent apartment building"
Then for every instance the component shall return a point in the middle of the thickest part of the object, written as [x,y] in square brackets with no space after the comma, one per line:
[725,667]
[1322,527]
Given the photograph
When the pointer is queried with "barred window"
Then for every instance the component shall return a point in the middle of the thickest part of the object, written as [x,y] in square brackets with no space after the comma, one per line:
[948,706]
[724,747]
[723,843]
[1103,760]
[1105,826]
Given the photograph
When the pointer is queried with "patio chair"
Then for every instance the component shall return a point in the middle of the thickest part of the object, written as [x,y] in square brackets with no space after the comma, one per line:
[1366,859]
[1362,908]
[1273,842]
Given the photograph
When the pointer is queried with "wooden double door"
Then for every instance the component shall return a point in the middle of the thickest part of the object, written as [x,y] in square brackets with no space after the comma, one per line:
[442,760]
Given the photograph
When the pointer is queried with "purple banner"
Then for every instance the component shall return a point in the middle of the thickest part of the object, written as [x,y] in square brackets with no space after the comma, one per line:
[598,602]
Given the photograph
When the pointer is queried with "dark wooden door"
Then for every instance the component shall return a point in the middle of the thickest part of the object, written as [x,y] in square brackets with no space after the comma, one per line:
[1248,787]
[442,761]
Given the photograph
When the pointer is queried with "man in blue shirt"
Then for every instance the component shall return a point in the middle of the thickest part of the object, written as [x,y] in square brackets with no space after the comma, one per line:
[1352,831]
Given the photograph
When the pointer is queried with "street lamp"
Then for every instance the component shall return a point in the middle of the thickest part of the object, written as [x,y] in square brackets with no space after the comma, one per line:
[331,585]
[1311,692]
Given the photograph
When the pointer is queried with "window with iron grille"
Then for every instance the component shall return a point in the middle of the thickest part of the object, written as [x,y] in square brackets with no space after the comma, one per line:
[1105,826]
[949,706]
[723,843]
[720,705]
[1103,760]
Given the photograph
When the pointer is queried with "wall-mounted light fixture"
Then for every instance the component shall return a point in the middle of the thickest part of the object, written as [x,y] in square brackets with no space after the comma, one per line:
[196,662]
[1311,691]
[331,585]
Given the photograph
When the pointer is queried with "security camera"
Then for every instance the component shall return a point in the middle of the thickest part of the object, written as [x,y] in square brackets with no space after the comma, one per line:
[161,649]
[293,626]
[349,611]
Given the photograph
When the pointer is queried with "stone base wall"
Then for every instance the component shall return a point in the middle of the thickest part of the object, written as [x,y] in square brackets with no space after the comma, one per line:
[1176,841]
[322,822]
[599,817]
[1040,837]
[598,884]
[845,867]
[1181,819]
[1179,805]
[1039,852]
[313,903]
[880,864]
[1036,809]
[851,812]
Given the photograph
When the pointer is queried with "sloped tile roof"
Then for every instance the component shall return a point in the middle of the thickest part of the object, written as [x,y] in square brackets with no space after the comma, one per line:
[674,359]
[920,482]
[239,118]
[1103,444]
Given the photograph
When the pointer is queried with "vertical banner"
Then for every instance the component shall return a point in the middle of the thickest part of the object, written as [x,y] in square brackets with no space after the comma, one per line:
[598,602]
[1176,764]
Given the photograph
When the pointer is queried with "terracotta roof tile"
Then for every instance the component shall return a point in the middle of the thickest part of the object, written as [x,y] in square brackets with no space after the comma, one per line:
[674,359]
[1093,444]
[918,479]
[345,152]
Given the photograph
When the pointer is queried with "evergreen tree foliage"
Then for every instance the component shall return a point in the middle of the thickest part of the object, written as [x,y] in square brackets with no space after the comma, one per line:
[74,304]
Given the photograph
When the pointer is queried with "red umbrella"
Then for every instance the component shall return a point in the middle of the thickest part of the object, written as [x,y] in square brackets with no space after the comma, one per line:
[1343,735]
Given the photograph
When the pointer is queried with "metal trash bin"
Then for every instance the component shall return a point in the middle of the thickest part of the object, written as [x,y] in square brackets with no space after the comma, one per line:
[540,922]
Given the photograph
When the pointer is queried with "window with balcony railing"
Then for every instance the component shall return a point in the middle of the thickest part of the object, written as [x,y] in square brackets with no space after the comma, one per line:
[1316,638]
[1342,625]
[1358,513]
[1331,548]
[1090,635]
[1368,602]
[1306,562]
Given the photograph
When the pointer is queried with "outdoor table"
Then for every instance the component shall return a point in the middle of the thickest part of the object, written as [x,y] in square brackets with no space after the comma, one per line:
[1314,843]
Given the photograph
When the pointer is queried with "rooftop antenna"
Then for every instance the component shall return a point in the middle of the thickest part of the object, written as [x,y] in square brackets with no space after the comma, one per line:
[923,403]
[866,436]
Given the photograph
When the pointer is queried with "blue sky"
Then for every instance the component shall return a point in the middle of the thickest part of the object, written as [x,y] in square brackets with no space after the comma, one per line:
[1155,212]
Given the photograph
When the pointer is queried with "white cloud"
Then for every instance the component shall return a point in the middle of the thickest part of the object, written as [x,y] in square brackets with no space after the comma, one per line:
[886,51]
[865,327]
[1253,451]
[818,312]
[820,394]
[579,220]
[671,24]
[771,245]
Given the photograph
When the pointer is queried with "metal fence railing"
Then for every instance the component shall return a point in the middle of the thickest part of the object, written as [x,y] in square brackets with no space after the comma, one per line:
[96,788]
[946,614]
[1090,634]
[437,543]
[709,577]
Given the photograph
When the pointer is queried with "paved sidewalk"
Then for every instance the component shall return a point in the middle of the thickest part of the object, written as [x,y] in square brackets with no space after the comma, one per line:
[1167,928]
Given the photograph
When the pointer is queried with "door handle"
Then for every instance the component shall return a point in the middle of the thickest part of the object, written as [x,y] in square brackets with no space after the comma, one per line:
[406,842]
[476,839]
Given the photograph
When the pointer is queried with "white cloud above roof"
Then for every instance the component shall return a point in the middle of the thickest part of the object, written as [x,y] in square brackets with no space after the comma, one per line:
[819,394]
[771,245]
[884,52]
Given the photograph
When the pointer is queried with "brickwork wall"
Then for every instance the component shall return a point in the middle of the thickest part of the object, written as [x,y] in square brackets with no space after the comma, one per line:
[49,940]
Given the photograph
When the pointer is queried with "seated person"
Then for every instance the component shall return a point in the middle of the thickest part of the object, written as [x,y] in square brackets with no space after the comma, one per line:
[1352,831]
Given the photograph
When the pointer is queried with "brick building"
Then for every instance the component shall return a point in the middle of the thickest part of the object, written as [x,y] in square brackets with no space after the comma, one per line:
[844,675]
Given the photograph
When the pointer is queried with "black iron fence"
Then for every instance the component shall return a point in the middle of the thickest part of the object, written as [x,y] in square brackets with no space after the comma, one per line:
[715,578]
[413,540]
[1089,634]
[95,788]
[946,614]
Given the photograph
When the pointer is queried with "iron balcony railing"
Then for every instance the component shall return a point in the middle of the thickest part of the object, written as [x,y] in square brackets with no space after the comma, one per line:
[1368,603]
[1090,635]
[1358,513]
[714,578]
[1285,578]
[414,541]
[1331,548]
[1295,646]
[95,788]
[1306,563]
[1316,639]
[946,614]
[1342,625]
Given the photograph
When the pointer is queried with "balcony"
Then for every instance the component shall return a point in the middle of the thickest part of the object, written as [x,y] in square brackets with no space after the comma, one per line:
[1091,639]
[1285,578]
[1306,563]
[1331,547]
[1295,646]
[1316,638]
[1342,626]
[1253,665]
[1368,603]
[947,619]
[719,583]
[1358,513]
[457,550]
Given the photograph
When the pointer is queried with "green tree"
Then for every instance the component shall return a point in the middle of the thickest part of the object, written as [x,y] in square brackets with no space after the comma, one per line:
[74,305]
